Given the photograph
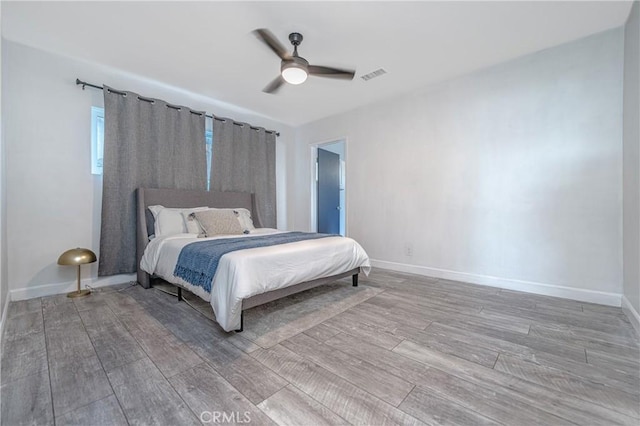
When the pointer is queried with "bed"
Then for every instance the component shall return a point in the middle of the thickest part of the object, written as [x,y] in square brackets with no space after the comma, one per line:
[244,278]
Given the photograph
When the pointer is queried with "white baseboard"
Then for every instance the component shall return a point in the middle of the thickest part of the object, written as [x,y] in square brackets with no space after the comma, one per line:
[66,287]
[631,313]
[5,310]
[582,295]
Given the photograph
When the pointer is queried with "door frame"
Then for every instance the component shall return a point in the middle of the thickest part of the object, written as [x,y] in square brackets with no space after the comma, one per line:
[313,155]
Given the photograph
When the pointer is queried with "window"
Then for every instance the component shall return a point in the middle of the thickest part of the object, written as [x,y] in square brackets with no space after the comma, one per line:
[208,137]
[97,142]
[97,139]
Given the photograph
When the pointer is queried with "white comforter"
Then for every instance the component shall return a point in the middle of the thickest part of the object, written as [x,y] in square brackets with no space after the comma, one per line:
[245,273]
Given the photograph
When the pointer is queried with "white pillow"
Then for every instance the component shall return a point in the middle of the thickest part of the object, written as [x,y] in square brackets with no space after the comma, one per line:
[170,221]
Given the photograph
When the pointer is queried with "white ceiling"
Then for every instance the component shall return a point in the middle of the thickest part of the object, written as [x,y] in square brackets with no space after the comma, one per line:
[208,48]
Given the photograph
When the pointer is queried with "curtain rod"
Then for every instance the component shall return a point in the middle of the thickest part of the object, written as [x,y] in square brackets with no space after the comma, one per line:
[95,86]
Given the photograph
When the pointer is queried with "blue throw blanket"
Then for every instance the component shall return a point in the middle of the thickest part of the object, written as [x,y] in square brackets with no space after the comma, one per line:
[198,262]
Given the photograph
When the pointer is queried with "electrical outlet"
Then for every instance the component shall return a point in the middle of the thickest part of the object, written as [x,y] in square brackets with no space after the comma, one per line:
[408,249]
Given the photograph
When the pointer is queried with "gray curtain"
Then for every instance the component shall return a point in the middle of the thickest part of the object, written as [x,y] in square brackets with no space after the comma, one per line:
[244,159]
[147,143]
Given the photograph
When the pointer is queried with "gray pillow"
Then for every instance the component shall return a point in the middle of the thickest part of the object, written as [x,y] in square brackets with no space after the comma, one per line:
[219,222]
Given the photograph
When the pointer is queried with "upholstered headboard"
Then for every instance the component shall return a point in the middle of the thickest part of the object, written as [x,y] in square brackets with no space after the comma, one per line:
[182,198]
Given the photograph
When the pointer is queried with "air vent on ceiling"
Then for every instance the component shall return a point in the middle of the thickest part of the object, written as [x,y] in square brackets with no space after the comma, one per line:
[374,74]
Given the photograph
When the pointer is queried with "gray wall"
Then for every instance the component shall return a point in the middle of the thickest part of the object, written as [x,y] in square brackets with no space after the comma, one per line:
[4,283]
[631,167]
[510,176]
[53,200]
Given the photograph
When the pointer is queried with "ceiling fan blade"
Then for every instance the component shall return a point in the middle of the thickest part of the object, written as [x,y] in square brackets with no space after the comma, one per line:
[270,40]
[275,85]
[320,71]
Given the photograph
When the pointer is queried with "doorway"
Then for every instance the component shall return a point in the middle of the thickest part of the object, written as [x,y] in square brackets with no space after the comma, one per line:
[329,185]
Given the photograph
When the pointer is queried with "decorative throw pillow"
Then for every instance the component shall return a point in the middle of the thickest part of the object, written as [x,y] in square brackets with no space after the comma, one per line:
[219,222]
[244,216]
[192,224]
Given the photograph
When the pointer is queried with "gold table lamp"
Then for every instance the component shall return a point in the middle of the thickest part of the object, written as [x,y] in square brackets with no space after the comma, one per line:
[77,256]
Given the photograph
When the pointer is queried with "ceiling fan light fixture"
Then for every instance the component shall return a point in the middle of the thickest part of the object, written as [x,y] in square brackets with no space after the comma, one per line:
[294,69]
[294,75]
[294,72]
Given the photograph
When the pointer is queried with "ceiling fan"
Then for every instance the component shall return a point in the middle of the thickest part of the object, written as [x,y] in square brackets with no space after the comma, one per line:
[295,69]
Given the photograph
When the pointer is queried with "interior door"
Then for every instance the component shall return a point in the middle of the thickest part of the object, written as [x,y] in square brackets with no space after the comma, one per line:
[328,192]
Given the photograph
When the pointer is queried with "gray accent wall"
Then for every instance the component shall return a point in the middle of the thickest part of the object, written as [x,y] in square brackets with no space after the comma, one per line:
[4,283]
[631,161]
[509,176]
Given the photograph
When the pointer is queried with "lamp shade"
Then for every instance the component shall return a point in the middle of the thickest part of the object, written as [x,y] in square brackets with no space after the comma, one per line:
[295,70]
[294,75]
[77,256]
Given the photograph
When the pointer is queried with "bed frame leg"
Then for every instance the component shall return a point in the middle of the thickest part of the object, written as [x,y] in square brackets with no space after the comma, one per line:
[354,280]
[241,322]
[179,294]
